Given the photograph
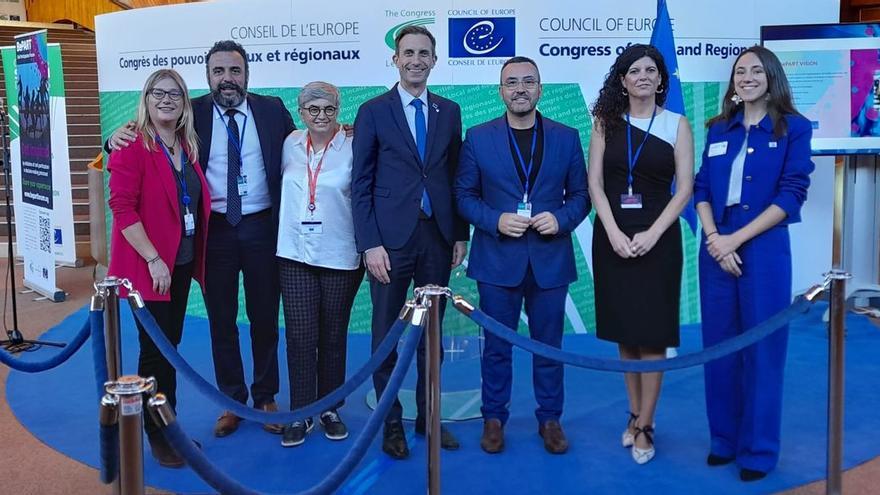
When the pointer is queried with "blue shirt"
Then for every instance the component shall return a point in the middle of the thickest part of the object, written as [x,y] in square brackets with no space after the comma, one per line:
[776,170]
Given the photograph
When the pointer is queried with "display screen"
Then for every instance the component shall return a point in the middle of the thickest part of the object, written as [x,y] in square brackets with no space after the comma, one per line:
[834,73]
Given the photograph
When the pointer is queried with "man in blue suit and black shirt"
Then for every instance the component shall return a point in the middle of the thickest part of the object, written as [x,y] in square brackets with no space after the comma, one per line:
[406,145]
[522,183]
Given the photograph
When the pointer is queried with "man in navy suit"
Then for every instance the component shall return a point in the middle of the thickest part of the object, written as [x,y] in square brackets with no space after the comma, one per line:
[242,135]
[406,145]
[522,183]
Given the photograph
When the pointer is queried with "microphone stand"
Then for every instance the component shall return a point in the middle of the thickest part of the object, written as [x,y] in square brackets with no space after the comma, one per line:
[15,341]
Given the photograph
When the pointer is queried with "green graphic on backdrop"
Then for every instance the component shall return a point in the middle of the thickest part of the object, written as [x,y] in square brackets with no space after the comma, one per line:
[479,103]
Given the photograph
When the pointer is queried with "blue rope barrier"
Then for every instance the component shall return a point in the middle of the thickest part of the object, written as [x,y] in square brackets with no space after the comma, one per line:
[719,350]
[109,436]
[57,360]
[228,486]
[99,350]
[243,411]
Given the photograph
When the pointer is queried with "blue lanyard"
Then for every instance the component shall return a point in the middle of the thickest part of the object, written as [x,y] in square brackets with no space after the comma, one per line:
[527,170]
[181,177]
[237,143]
[634,159]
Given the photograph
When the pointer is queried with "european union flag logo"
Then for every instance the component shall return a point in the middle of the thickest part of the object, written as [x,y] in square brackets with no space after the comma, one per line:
[482,37]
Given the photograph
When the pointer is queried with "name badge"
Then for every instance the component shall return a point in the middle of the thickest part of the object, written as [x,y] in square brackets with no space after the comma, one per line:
[311,228]
[524,209]
[242,185]
[631,201]
[718,149]
[189,224]
[772,144]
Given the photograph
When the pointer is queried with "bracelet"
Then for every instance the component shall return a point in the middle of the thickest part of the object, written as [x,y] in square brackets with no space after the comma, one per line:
[710,233]
[150,261]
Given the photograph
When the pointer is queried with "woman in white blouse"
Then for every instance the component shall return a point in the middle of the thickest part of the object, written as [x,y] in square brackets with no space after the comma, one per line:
[319,266]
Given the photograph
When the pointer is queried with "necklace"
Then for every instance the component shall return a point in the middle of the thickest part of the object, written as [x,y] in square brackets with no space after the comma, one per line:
[170,148]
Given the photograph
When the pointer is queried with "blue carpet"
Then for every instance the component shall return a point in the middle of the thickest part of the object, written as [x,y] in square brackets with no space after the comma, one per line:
[59,407]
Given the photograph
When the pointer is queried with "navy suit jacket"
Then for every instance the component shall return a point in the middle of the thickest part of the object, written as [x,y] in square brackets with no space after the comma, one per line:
[388,177]
[273,123]
[487,185]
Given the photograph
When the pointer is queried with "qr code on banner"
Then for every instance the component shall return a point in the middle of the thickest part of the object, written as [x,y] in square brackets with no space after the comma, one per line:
[45,234]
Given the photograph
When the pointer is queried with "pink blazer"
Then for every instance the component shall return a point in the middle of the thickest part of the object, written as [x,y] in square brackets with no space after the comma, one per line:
[142,189]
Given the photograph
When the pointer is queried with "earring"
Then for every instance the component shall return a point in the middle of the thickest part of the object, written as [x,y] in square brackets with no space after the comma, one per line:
[623,91]
[660,89]
[736,99]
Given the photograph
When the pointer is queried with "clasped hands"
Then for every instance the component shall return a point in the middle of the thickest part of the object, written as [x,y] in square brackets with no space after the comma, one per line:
[639,245]
[723,249]
[513,225]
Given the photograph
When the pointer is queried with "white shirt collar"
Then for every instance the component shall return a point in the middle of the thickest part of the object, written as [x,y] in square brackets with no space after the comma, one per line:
[335,143]
[242,107]
[407,98]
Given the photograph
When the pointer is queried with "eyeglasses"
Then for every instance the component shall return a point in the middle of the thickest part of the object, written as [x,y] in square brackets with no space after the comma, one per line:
[314,111]
[159,94]
[529,84]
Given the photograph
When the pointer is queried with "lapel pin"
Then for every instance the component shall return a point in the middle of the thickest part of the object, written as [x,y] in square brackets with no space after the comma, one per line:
[436,108]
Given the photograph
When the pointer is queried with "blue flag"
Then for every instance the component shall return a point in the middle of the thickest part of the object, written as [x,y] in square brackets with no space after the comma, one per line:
[662,40]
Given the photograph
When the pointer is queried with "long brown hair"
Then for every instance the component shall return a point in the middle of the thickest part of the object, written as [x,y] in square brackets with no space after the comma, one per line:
[779,100]
[185,129]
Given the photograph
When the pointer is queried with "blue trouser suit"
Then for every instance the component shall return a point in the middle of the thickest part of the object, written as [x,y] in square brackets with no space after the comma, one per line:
[545,309]
[744,390]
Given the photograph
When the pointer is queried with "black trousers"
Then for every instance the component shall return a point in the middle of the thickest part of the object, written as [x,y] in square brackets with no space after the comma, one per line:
[247,249]
[317,310]
[169,316]
[426,258]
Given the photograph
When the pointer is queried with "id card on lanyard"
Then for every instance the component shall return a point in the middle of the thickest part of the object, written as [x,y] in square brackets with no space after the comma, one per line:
[524,208]
[313,226]
[238,144]
[630,200]
[189,222]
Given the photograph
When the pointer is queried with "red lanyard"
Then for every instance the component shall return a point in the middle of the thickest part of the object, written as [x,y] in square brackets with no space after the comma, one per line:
[313,177]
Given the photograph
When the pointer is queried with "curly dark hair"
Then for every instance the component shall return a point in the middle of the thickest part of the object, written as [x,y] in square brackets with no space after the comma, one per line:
[779,99]
[612,101]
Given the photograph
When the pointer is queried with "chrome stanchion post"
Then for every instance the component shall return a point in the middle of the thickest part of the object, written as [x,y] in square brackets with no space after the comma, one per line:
[129,391]
[429,296]
[834,483]
[109,290]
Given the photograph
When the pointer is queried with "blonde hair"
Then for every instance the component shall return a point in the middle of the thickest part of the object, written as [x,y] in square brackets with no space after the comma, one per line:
[185,129]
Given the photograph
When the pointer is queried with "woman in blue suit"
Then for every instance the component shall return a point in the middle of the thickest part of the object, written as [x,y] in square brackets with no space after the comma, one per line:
[750,187]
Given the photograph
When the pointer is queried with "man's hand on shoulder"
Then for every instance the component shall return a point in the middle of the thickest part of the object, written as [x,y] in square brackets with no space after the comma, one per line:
[123,136]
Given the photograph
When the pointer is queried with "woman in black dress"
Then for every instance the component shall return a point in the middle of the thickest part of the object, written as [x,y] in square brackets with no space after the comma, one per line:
[637,148]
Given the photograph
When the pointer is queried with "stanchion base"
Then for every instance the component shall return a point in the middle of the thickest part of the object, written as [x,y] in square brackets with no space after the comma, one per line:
[461,405]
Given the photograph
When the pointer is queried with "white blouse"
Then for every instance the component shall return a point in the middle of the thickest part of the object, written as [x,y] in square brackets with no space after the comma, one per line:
[327,237]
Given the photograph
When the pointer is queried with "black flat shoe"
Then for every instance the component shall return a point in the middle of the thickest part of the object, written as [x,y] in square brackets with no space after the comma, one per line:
[447,439]
[394,441]
[717,460]
[751,474]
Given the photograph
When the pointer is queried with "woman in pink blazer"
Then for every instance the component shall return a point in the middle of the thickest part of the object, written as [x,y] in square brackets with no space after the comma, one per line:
[161,206]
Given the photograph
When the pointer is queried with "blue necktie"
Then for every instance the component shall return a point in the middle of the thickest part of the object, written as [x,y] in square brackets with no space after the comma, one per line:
[421,143]
[233,171]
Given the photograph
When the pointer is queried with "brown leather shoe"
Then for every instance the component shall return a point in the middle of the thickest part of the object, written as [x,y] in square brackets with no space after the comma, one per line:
[162,451]
[492,440]
[272,427]
[226,424]
[554,438]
